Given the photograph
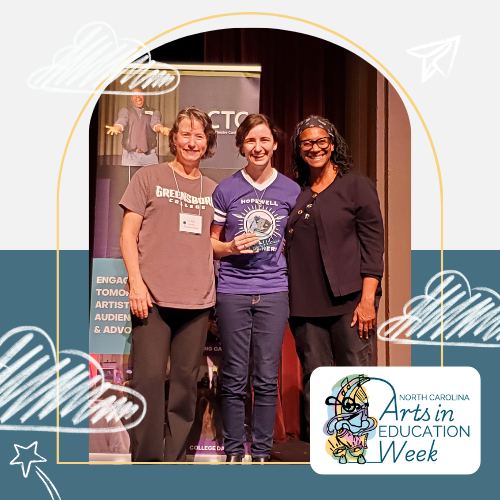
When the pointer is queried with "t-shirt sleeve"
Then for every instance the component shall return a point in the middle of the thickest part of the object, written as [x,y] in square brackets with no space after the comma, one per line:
[295,194]
[136,195]
[290,191]
[220,206]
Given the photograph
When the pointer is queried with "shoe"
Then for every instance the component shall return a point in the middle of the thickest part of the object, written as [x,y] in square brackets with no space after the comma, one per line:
[260,460]
[234,458]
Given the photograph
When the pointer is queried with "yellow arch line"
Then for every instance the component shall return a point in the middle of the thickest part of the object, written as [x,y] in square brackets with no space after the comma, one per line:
[230,15]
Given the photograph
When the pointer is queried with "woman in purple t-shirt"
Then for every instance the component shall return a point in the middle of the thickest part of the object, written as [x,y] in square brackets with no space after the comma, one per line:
[251,209]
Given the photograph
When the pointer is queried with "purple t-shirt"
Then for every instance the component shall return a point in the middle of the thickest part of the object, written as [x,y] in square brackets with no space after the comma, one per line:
[241,206]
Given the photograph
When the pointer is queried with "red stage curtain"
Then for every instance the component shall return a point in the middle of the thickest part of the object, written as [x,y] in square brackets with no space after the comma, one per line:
[301,75]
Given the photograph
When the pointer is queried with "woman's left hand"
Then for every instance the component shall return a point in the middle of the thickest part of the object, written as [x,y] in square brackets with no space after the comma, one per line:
[365,316]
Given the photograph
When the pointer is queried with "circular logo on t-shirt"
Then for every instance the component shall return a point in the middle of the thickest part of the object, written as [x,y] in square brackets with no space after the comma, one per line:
[264,222]
[260,222]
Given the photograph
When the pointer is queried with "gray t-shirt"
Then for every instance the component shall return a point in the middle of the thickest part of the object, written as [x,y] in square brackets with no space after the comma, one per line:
[177,267]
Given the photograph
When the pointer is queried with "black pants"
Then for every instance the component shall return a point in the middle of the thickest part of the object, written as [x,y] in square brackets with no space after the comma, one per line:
[180,334]
[329,341]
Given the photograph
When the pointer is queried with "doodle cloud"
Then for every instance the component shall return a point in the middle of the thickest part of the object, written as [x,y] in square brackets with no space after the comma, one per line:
[33,385]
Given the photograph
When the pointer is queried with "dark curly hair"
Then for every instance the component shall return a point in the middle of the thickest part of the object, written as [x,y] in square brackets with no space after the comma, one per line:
[252,121]
[191,114]
[340,157]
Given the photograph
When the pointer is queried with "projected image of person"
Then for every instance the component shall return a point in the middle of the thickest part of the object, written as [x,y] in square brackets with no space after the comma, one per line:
[251,209]
[334,248]
[136,127]
[139,125]
[166,247]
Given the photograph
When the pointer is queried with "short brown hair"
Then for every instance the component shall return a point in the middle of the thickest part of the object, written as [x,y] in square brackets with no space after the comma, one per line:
[252,121]
[193,113]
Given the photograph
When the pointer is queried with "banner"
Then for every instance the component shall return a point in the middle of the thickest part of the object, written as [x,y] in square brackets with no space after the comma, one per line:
[110,324]
[228,95]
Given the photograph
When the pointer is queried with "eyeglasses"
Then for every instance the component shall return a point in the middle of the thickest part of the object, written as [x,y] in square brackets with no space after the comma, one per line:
[322,142]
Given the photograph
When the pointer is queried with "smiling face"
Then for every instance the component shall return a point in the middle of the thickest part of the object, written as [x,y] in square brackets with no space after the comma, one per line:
[137,98]
[259,146]
[316,157]
[190,141]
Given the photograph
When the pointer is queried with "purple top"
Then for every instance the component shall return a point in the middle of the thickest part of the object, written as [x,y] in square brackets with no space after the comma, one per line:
[242,206]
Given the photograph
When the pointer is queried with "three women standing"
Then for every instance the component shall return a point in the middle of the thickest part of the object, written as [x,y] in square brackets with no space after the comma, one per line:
[334,240]
[251,209]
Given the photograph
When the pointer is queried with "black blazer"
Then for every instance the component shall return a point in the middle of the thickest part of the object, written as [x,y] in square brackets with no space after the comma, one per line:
[350,231]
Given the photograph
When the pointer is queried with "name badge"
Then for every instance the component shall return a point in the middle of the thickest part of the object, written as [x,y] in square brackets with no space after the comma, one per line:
[148,112]
[190,223]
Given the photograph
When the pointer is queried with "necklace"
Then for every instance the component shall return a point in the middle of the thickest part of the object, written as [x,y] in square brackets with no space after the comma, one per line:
[258,200]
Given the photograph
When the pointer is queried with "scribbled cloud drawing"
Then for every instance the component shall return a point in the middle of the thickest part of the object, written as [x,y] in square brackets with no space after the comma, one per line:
[31,392]
[471,317]
[25,455]
[437,56]
[96,54]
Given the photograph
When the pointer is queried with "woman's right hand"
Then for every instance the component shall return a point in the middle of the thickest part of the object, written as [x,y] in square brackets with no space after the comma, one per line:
[242,244]
[140,299]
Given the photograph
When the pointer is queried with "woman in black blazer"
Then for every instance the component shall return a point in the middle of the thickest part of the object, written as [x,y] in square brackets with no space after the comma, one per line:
[334,246]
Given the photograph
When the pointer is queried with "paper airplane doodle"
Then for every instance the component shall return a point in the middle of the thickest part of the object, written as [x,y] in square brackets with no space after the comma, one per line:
[97,54]
[470,317]
[437,56]
[30,390]
[22,457]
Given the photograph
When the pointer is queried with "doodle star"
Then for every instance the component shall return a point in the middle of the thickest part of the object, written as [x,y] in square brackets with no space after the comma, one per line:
[21,450]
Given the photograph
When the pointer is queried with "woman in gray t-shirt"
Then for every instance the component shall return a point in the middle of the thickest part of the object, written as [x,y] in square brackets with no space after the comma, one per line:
[166,247]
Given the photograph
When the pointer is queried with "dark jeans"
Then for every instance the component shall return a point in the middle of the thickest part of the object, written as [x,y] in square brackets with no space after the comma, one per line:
[329,341]
[180,334]
[247,322]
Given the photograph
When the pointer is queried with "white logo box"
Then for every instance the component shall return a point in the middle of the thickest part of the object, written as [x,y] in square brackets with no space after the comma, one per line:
[436,429]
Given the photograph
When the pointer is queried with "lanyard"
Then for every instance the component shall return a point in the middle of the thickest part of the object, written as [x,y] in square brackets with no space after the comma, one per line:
[177,185]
